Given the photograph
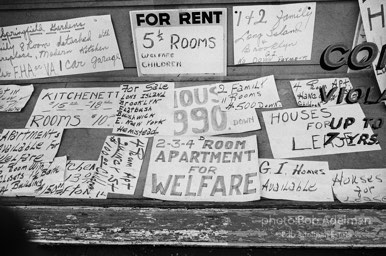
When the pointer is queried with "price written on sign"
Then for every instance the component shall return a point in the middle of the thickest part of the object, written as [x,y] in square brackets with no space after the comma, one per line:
[197,111]
[196,168]
[242,95]
[14,97]
[180,42]
[75,108]
[271,33]
[56,48]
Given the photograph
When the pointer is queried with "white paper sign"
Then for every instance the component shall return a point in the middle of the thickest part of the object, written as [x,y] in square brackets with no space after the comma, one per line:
[308,92]
[145,110]
[75,108]
[29,145]
[14,97]
[57,48]
[301,132]
[120,161]
[197,111]
[191,168]
[270,33]
[295,180]
[373,16]
[180,42]
[77,182]
[45,181]
[360,185]
[243,95]
[15,176]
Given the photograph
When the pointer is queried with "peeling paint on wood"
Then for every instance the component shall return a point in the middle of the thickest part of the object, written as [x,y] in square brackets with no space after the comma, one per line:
[206,227]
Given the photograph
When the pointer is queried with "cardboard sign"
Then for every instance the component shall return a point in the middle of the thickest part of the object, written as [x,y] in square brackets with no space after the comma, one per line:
[57,48]
[29,145]
[197,111]
[295,180]
[75,108]
[191,168]
[14,97]
[180,42]
[360,186]
[44,181]
[243,95]
[120,162]
[309,131]
[145,110]
[308,92]
[373,17]
[270,33]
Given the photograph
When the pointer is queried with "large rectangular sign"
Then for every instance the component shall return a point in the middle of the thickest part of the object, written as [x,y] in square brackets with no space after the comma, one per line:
[180,42]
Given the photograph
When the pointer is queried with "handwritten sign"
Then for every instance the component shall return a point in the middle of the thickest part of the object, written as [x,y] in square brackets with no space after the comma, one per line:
[75,108]
[77,182]
[180,42]
[308,93]
[197,111]
[360,186]
[242,95]
[29,145]
[295,180]
[145,109]
[14,97]
[16,176]
[270,33]
[57,48]
[373,17]
[318,131]
[192,168]
[120,161]
[43,181]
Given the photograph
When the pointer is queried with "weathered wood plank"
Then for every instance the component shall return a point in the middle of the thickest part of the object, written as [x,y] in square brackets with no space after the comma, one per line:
[206,227]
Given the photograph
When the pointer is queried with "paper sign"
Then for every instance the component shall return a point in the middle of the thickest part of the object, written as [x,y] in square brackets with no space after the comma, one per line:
[180,42]
[77,182]
[75,108]
[44,181]
[14,97]
[145,109]
[57,48]
[120,161]
[192,168]
[243,95]
[308,92]
[16,176]
[197,112]
[29,145]
[373,16]
[308,132]
[295,180]
[360,186]
[270,33]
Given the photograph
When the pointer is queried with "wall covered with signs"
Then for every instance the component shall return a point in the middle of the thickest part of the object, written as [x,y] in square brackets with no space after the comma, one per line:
[264,104]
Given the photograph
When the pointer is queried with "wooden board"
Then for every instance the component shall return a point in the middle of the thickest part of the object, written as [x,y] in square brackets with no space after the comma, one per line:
[206,227]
